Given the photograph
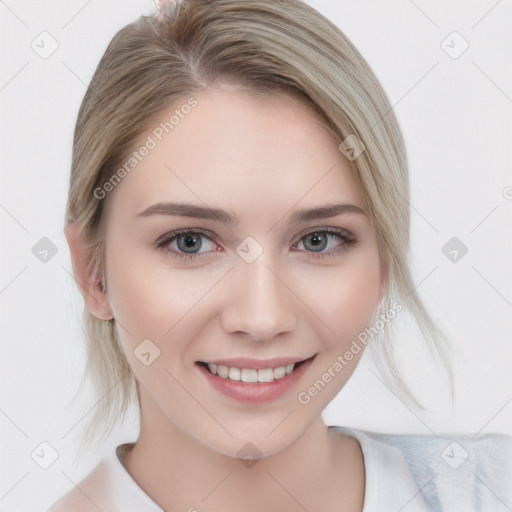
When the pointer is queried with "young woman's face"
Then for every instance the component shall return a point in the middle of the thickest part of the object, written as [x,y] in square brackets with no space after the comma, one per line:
[240,241]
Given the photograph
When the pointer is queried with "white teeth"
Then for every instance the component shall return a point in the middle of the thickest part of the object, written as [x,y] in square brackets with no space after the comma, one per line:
[222,371]
[251,375]
[266,375]
[280,372]
[234,373]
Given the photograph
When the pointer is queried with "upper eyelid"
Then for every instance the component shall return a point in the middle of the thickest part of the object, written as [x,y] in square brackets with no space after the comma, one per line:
[172,235]
[324,229]
[211,234]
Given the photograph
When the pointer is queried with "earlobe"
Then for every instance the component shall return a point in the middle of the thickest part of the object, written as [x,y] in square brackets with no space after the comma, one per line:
[91,285]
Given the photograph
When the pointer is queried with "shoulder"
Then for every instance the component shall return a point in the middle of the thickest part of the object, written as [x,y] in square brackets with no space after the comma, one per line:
[452,455]
[109,488]
[452,472]
[461,454]
[87,495]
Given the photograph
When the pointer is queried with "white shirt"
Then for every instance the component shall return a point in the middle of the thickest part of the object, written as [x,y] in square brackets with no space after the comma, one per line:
[407,473]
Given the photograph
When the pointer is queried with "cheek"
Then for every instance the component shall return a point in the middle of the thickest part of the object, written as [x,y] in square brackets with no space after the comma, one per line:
[150,300]
[347,299]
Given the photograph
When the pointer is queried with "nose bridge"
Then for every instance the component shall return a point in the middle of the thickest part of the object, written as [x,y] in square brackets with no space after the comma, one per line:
[262,285]
[260,304]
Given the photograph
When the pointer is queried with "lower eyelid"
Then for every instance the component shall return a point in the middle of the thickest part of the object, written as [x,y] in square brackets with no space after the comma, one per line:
[204,237]
[171,237]
[346,240]
[343,238]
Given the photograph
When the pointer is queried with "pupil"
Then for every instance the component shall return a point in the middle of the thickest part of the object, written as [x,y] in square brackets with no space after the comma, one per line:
[189,243]
[316,242]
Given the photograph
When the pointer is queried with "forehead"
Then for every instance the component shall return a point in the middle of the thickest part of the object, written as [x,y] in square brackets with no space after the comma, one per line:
[233,148]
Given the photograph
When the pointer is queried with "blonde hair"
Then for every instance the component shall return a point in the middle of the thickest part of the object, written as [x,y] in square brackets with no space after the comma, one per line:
[268,47]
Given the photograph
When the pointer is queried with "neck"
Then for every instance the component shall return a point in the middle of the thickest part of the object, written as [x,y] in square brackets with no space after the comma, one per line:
[178,472]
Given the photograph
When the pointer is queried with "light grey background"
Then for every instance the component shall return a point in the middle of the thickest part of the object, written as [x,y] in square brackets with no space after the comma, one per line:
[456,118]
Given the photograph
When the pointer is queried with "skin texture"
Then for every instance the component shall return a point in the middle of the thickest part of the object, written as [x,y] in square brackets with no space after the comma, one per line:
[260,160]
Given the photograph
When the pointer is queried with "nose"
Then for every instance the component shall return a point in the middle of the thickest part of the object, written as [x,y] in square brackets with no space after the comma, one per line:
[259,303]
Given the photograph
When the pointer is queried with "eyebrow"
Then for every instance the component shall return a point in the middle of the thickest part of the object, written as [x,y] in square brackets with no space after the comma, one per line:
[189,210]
[202,212]
[324,212]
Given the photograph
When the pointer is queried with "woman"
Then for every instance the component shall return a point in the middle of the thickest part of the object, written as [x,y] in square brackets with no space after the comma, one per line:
[238,220]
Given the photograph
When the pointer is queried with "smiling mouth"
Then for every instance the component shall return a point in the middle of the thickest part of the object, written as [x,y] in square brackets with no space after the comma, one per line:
[252,375]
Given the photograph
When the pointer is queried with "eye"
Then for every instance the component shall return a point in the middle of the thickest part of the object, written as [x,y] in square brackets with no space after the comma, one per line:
[186,243]
[325,241]
[189,243]
[316,242]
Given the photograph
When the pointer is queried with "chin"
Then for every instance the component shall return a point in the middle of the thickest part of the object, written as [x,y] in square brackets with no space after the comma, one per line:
[254,442]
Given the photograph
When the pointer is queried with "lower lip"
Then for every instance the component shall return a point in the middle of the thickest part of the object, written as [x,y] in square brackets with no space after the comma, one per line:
[255,392]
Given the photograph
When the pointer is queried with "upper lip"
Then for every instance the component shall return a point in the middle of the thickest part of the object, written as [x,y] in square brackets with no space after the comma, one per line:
[257,364]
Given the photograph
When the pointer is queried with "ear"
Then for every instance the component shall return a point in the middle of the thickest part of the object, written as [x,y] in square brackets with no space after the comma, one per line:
[91,286]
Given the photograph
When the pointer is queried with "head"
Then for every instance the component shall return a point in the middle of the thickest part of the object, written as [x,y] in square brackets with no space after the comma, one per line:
[242,116]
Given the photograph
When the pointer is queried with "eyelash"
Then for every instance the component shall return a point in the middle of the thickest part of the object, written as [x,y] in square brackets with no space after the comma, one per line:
[348,240]
[173,235]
